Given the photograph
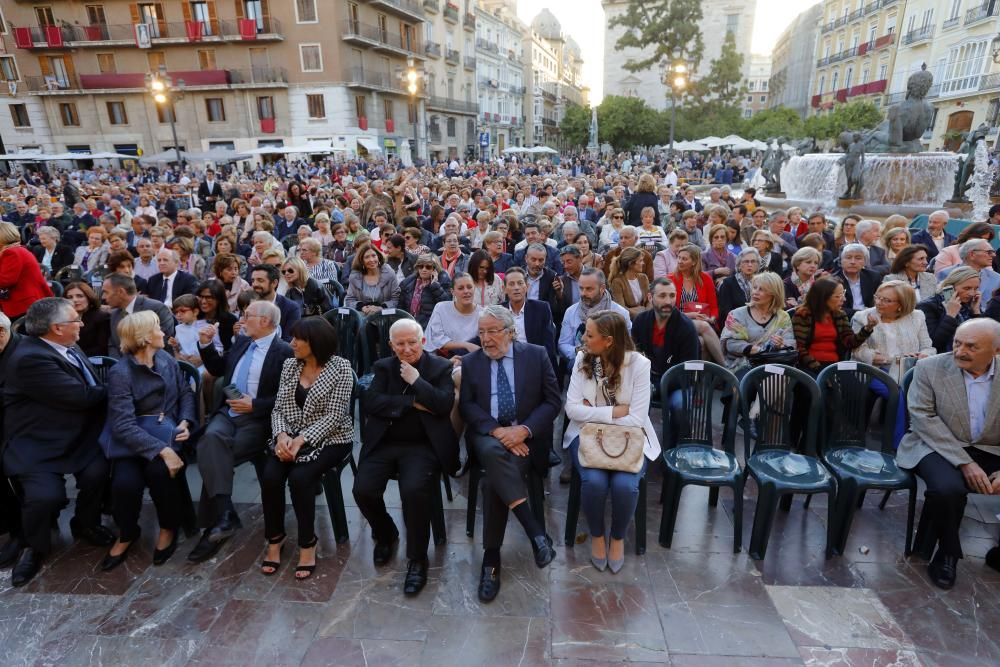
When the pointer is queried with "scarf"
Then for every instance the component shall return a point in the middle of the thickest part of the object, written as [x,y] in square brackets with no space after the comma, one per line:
[603,304]
[744,284]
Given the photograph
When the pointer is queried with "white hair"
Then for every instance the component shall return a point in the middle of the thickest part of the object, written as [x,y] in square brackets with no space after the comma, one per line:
[406,325]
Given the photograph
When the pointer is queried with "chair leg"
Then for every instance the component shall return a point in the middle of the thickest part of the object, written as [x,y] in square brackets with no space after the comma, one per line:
[861,500]
[572,509]
[911,509]
[672,488]
[437,516]
[885,499]
[848,496]
[713,496]
[335,503]
[640,520]
[767,505]
[470,510]
[785,504]
[447,487]
[831,511]
[738,515]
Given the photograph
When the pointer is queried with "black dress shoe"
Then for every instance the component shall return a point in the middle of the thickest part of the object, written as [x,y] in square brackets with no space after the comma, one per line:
[993,558]
[544,553]
[225,528]
[110,562]
[10,551]
[942,571]
[489,583]
[161,556]
[383,551]
[204,550]
[416,577]
[97,535]
[26,568]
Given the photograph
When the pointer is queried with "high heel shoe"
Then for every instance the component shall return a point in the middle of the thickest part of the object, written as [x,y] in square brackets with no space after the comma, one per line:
[110,562]
[600,564]
[306,570]
[161,556]
[615,565]
[270,564]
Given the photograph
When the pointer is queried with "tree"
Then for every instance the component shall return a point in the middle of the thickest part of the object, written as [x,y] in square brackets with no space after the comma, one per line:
[776,122]
[575,126]
[662,30]
[723,85]
[858,115]
[625,122]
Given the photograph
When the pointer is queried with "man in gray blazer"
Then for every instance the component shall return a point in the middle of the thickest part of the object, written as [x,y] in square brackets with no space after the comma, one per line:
[954,439]
[121,294]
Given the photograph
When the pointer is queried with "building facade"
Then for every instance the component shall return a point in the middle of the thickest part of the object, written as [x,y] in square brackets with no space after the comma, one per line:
[718,17]
[450,77]
[793,61]
[855,51]
[758,78]
[556,79]
[500,75]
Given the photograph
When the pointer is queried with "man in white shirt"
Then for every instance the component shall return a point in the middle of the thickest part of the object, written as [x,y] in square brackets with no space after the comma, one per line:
[120,294]
[145,263]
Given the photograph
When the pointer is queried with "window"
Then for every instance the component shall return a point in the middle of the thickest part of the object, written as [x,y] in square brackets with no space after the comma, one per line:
[69,115]
[317,106]
[165,113]
[311,57]
[451,127]
[265,107]
[360,108]
[966,64]
[749,99]
[387,109]
[763,98]
[151,17]
[199,12]
[763,84]
[215,109]
[747,113]
[750,86]
[8,68]
[848,76]
[882,71]
[44,16]
[95,15]
[732,23]
[156,60]
[106,63]
[254,9]
[116,113]
[305,11]
[206,59]
[956,7]
[19,114]
[3,23]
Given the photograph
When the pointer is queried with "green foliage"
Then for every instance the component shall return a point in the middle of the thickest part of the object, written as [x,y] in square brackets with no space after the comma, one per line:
[858,115]
[575,126]
[670,27]
[777,122]
[625,122]
[723,85]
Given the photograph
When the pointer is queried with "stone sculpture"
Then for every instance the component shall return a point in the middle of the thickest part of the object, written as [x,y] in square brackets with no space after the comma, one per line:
[967,162]
[905,122]
[854,164]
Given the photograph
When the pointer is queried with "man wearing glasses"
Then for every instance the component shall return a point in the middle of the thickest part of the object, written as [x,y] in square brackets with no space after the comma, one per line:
[54,409]
[978,254]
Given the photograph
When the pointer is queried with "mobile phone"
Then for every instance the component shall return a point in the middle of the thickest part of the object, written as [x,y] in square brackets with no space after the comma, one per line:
[947,293]
[232,392]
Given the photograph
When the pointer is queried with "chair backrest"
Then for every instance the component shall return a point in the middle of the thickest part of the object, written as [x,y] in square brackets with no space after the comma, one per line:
[18,325]
[57,288]
[845,391]
[348,322]
[772,388]
[193,376]
[376,336]
[336,292]
[700,382]
[102,365]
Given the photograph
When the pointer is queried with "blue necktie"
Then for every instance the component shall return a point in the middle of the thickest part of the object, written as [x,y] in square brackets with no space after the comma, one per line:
[505,397]
[87,375]
[243,374]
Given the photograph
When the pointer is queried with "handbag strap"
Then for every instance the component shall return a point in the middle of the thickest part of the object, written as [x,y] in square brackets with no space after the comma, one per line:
[600,443]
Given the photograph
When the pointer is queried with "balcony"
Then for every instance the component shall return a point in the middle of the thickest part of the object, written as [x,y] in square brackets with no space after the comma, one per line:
[432,6]
[258,77]
[408,9]
[981,13]
[918,36]
[162,33]
[469,22]
[951,23]
[432,49]
[369,35]
[990,82]
[453,105]
[359,77]
[450,12]
[452,56]
[486,45]
[469,63]
[517,90]
[135,82]
[548,122]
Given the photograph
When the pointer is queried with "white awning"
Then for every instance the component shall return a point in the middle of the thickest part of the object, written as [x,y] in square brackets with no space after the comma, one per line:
[370,144]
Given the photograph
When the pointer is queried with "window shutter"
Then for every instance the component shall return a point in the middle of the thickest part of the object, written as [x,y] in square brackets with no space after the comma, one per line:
[213,17]
[240,14]
[133,9]
[161,20]
[186,11]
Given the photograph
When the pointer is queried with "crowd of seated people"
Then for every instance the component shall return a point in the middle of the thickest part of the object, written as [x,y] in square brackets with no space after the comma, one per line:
[530,296]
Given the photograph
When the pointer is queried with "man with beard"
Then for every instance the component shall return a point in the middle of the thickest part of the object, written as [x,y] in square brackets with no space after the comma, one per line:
[594,296]
[377,200]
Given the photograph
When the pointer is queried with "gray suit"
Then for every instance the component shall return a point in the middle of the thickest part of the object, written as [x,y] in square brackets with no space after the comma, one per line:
[141,303]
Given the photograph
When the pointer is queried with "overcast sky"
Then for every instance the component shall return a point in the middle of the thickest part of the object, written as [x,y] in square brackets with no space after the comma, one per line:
[584,20]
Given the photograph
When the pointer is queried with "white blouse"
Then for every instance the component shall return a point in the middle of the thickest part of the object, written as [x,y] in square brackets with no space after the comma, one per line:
[907,335]
[447,325]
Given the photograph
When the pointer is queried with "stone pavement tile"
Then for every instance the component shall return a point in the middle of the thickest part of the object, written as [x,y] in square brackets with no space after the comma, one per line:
[606,622]
[716,604]
[252,632]
[167,608]
[503,641]
[91,651]
[334,652]
[838,617]
[815,656]
[681,660]
[29,622]
[75,570]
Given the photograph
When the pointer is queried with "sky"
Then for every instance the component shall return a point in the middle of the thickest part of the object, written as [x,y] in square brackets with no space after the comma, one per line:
[584,21]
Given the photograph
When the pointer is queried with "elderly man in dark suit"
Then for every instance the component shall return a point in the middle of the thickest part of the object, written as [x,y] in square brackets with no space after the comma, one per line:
[239,430]
[509,400]
[408,433]
[934,234]
[859,283]
[121,294]
[170,282]
[54,409]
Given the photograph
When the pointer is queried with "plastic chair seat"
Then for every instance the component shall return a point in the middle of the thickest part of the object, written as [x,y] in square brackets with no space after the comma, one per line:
[765,466]
[678,460]
[365,381]
[891,475]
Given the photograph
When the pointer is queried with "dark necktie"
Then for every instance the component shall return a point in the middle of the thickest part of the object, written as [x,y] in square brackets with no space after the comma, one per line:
[82,365]
[505,397]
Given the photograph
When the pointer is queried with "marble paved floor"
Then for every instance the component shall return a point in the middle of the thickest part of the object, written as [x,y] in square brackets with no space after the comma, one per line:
[697,604]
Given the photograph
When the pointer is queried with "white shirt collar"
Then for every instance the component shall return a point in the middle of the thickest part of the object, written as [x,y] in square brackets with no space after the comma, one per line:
[130,308]
[58,347]
[986,377]
[170,277]
[264,343]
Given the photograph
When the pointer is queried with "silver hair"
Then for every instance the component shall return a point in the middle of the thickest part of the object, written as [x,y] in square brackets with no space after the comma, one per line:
[4,322]
[404,325]
[591,271]
[267,310]
[749,252]
[294,208]
[539,247]
[267,236]
[864,227]
[500,314]
[940,214]
[778,214]
[854,247]
[628,230]
[43,313]
[173,253]
[983,323]
[571,208]
[50,231]
[966,248]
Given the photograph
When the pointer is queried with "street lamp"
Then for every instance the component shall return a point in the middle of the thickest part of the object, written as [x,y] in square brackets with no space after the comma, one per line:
[411,77]
[674,76]
[164,94]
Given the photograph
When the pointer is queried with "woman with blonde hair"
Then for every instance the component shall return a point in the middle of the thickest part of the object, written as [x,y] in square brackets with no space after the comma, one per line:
[956,301]
[762,324]
[696,298]
[894,239]
[643,197]
[628,281]
[303,288]
[763,242]
[805,270]
[614,220]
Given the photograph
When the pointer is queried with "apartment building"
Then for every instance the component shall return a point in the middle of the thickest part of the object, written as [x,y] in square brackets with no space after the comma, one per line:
[758,76]
[500,74]
[450,77]
[792,62]
[855,51]
[555,62]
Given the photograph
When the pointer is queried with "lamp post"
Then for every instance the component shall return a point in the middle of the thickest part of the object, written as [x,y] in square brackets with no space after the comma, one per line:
[675,77]
[165,93]
[411,77]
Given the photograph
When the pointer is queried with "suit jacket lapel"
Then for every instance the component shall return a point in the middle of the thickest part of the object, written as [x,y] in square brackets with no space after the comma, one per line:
[954,385]
[993,406]
[520,381]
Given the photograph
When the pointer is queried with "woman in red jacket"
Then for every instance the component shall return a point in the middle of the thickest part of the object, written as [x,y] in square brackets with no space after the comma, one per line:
[21,280]
[696,299]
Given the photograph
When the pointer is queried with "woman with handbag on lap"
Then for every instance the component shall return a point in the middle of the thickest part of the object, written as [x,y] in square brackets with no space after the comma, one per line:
[151,408]
[608,404]
[761,331]
[697,299]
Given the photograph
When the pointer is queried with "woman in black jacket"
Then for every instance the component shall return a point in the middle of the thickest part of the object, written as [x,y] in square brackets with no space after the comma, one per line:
[213,302]
[304,289]
[51,254]
[644,195]
[734,292]
[95,335]
[424,278]
[957,300]
[298,196]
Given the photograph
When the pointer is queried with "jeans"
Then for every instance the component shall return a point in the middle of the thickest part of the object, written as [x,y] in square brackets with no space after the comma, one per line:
[882,391]
[675,406]
[594,486]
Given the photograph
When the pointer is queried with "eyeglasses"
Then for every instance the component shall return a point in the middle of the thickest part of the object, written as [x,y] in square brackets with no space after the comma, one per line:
[617,217]
[76,321]
[490,332]
[882,299]
[288,272]
[207,297]
[991,253]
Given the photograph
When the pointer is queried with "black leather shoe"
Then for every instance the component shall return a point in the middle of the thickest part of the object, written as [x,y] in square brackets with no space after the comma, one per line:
[111,562]
[383,551]
[993,558]
[544,553]
[161,556]
[489,583]
[205,549]
[97,535]
[416,577]
[10,551]
[942,571]
[225,528]
[26,568]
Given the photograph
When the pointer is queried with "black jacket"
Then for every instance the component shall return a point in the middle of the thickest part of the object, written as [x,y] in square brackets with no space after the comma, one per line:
[940,325]
[433,294]
[313,299]
[870,280]
[270,374]
[637,202]
[389,397]
[680,342]
[61,256]
[730,296]
[184,283]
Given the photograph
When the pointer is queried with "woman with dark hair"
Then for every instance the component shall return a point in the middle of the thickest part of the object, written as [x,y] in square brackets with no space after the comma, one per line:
[823,333]
[610,384]
[453,260]
[420,291]
[488,290]
[340,248]
[298,196]
[910,267]
[949,256]
[226,268]
[312,432]
[372,285]
[213,307]
[95,335]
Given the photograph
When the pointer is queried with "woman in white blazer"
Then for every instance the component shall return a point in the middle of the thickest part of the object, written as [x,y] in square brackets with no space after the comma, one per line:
[608,366]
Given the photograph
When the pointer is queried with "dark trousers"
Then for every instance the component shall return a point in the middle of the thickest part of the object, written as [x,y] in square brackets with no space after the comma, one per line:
[43,496]
[129,478]
[10,510]
[302,479]
[505,482]
[227,442]
[946,494]
[417,468]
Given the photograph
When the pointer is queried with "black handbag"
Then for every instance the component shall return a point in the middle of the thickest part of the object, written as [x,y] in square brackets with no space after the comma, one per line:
[159,426]
[787,356]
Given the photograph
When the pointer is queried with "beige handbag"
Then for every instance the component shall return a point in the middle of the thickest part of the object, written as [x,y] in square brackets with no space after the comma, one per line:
[611,446]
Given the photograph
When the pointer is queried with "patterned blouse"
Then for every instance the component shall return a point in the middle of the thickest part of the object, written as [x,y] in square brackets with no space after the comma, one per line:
[325,417]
